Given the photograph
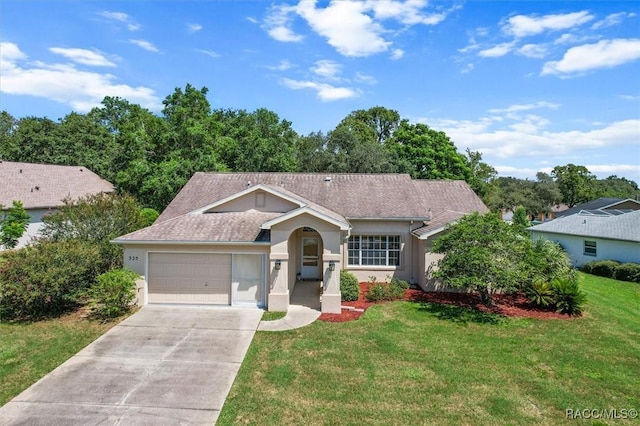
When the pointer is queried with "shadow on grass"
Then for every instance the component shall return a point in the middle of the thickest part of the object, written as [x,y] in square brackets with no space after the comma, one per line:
[459,314]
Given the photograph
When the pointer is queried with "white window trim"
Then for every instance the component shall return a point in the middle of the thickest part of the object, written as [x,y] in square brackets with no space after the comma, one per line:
[386,265]
[593,248]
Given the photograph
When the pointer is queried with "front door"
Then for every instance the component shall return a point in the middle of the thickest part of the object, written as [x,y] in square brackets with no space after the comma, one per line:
[310,258]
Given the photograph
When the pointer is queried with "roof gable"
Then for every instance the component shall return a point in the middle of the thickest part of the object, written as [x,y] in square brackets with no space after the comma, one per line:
[46,185]
[250,198]
[602,204]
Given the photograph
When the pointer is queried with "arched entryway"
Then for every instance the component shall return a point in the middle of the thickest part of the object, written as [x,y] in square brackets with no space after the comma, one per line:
[306,249]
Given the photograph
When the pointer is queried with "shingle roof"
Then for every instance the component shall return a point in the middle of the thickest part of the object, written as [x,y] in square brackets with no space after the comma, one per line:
[445,202]
[596,204]
[347,194]
[337,196]
[46,185]
[205,227]
[625,227]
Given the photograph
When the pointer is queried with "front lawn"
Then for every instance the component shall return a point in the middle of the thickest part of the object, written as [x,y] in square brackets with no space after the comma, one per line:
[425,363]
[28,351]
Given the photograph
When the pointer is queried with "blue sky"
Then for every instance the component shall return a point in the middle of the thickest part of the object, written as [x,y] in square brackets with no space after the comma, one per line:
[530,84]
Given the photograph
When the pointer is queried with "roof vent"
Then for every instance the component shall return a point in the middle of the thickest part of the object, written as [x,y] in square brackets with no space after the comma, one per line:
[248,184]
[327,179]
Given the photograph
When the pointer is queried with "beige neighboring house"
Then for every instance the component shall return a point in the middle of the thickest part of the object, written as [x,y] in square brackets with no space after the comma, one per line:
[42,187]
[249,238]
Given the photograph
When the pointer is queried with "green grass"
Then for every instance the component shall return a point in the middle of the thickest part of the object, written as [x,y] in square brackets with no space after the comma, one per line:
[272,315]
[28,351]
[422,363]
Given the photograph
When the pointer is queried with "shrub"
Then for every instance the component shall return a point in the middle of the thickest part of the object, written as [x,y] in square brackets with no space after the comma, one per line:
[601,268]
[114,293]
[349,286]
[541,294]
[568,297]
[628,272]
[149,216]
[377,292]
[383,291]
[46,279]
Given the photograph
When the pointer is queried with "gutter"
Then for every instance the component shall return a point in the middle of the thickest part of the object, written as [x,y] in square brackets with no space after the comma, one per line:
[183,242]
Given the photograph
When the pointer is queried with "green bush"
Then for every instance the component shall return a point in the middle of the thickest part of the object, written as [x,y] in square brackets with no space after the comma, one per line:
[377,292]
[349,286]
[149,216]
[568,297]
[46,279]
[383,291]
[541,294]
[114,293]
[628,272]
[601,268]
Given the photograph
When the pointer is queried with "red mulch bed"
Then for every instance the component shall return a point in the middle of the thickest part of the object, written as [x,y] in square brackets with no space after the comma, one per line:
[510,305]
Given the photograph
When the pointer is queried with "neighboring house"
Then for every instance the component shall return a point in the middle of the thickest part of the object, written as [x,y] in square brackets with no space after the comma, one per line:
[552,213]
[602,204]
[42,188]
[595,235]
[248,238]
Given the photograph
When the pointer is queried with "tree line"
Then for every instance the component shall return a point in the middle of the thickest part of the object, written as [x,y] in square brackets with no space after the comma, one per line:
[152,156]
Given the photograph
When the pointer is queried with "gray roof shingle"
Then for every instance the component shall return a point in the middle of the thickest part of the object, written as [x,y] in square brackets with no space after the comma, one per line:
[624,227]
[46,185]
[338,196]
[206,227]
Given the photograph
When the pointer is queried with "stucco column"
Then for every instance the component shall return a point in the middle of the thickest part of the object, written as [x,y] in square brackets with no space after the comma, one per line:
[279,291]
[331,297]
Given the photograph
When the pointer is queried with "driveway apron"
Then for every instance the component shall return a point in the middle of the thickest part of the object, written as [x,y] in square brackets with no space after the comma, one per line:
[164,365]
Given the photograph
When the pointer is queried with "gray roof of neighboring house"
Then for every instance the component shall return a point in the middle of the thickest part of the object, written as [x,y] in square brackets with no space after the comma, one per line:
[596,204]
[337,196]
[205,227]
[624,227]
[46,185]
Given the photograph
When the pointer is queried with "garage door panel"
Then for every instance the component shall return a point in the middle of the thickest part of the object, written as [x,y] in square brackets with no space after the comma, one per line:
[194,278]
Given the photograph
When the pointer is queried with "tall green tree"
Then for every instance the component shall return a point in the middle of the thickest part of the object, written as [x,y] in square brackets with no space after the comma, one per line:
[13,224]
[617,187]
[482,253]
[481,175]
[576,183]
[430,152]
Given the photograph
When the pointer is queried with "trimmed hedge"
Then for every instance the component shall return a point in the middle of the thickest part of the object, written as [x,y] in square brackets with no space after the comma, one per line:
[612,269]
[387,291]
[349,286]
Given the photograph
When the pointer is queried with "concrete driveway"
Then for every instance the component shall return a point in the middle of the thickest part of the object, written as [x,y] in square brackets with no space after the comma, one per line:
[161,366]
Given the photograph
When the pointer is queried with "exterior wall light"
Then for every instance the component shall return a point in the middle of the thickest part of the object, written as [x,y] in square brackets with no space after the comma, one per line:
[332,265]
[278,264]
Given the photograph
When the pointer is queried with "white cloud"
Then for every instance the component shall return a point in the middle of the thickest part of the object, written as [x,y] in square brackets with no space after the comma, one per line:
[524,107]
[630,97]
[612,19]
[209,53]
[327,69]
[193,28]
[282,66]
[83,56]
[352,27]
[603,54]
[252,19]
[64,83]
[278,23]
[146,45]
[497,51]
[346,26]
[120,17]
[536,51]
[397,54]
[366,79]
[522,25]
[407,12]
[325,92]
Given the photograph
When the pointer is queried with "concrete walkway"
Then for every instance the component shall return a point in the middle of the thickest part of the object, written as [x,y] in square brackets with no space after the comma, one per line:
[303,309]
[161,366]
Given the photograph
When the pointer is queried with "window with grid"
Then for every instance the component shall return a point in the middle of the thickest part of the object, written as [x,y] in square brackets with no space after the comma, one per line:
[590,248]
[376,250]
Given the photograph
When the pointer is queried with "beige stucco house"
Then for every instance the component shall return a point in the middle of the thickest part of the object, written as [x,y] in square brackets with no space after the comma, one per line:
[42,188]
[249,238]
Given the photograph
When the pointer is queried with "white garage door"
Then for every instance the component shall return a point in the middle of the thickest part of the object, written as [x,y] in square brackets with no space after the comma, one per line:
[195,278]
